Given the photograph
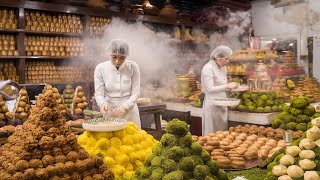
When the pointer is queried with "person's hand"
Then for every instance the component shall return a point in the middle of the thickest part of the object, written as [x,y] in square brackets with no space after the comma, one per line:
[232,85]
[104,109]
[118,111]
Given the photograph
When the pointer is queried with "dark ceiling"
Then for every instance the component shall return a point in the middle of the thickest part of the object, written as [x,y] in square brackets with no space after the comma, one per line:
[194,6]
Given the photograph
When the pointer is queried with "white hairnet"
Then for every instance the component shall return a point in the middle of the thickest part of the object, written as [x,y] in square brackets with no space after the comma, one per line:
[221,52]
[118,47]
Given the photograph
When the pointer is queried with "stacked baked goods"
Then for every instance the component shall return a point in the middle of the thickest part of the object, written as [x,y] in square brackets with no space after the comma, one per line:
[79,102]
[22,106]
[8,46]
[8,71]
[45,148]
[52,22]
[232,150]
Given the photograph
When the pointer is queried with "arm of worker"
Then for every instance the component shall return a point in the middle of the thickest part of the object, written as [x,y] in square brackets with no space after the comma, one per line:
[99,87]
[135,88]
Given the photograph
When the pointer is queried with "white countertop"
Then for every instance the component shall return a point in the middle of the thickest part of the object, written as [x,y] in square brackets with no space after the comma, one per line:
[184,107]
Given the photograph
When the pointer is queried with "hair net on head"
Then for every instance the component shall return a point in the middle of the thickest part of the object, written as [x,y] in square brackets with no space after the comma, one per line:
[221,52]
[118,47]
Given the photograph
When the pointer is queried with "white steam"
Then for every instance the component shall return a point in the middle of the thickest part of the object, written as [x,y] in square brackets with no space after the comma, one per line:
[159,58]
[300,15]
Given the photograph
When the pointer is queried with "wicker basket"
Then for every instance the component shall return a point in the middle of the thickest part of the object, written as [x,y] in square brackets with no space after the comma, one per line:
[97,3]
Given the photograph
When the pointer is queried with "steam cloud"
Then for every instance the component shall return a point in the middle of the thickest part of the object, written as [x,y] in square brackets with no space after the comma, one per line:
[160,58]
[300,15]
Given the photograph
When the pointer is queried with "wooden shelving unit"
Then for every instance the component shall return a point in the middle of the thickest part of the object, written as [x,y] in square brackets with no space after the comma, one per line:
[85,12]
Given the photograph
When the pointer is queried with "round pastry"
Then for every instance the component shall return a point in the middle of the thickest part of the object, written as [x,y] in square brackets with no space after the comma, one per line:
[244,145]
[248,142]
[220,136]
[218,157]
[213,143]
[218,150]
[226,133]
[208,148]
[238,164]
[201,138]
[226,148]
[236,158]
[217,153]
[224,161]
[234,155]
[224,143]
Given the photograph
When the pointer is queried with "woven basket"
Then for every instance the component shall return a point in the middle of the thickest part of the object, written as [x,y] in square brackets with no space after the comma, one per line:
[97,3]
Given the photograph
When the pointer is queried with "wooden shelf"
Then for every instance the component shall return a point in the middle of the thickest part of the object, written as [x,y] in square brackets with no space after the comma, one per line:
[52,57]
[40,57]
[41,84]
[2,30]
[42,6]
[53,33]
[11,57]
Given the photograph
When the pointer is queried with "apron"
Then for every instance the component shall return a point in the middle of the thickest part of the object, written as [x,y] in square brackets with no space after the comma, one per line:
[131,115]
[215,118]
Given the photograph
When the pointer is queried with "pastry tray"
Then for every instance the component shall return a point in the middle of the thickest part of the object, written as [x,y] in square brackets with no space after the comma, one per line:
[249,165]
[105,124]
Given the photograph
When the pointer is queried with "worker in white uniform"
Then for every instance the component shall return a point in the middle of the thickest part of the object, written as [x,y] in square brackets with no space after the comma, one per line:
[117,84]
[214,85]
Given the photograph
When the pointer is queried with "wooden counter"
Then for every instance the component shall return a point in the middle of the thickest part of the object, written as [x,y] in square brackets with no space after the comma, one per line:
[157,109]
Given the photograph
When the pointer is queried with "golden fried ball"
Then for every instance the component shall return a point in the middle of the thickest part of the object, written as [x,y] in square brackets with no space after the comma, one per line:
[17,176]
[73,156]
[66,177]
[60,159]
[70,166]
[60,169]
[94,171]
[75,176]
[66,149]
[51,170]
[5,175]
[47,160]
[98,161]
[55,178]
[41,173]
[87,178]
[85,174]
[83,154]
[89,163]
[80,165]
[22,165]
[29,173]
[11,169]
[98,177]
[35,163]
[56,151]
[108,174]
[2,159]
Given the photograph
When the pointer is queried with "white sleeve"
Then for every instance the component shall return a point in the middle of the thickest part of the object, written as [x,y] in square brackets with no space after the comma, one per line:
[135,88]
[208,82]
[99,87]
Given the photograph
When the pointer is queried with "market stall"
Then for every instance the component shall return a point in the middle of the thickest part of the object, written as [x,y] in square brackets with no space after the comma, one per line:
[54,129]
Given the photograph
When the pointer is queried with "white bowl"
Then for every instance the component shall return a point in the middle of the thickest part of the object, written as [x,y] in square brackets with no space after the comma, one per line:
[226,102]
[105,124]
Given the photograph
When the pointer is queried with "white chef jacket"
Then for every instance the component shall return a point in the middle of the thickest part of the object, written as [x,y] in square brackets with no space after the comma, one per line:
[214,83]
[118,87]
